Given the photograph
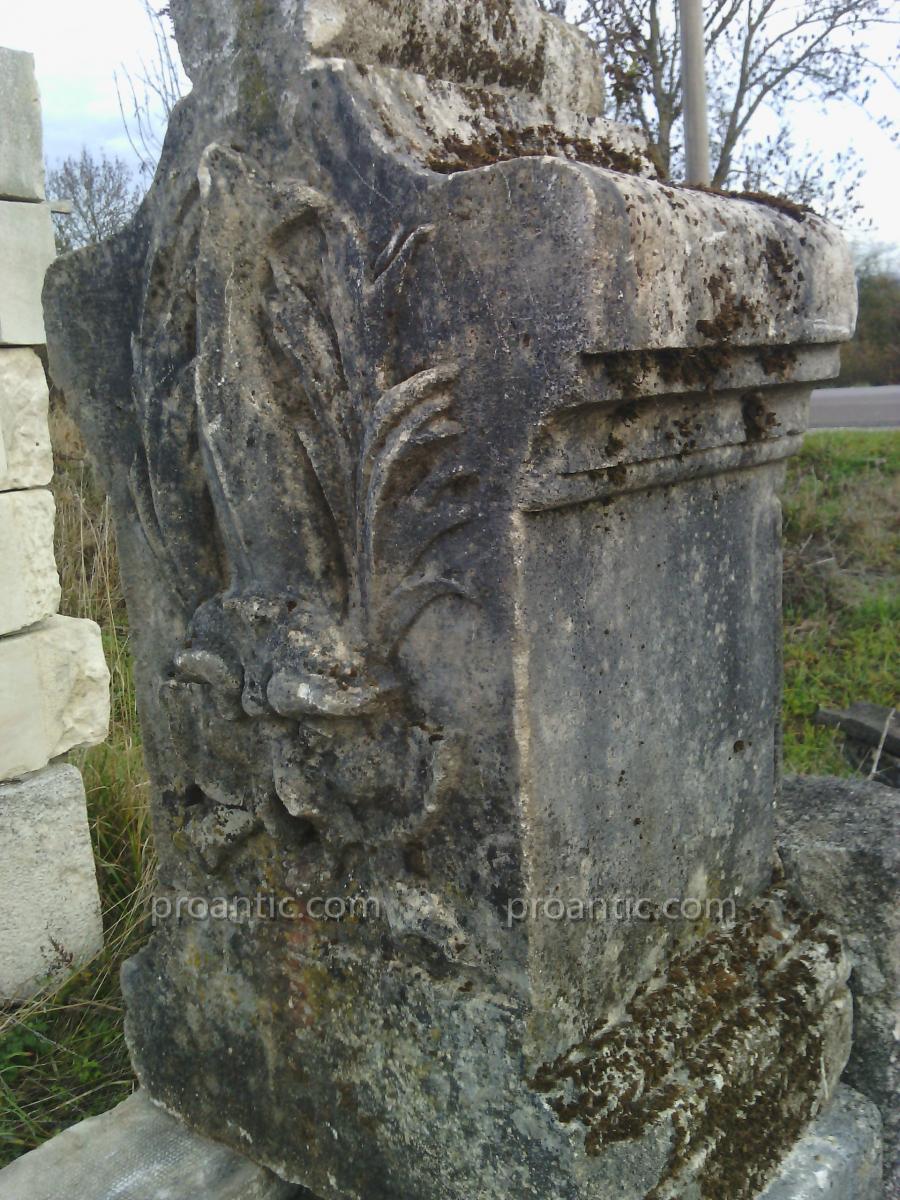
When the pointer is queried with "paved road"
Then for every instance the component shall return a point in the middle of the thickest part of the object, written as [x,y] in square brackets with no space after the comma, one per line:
[855,408]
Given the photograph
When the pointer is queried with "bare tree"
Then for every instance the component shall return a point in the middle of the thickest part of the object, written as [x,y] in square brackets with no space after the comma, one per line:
[148,96]
[103,195]
[762,56]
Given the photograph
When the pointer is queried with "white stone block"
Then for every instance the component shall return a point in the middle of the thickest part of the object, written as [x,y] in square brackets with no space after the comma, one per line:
[49,903]
[21,143]
[26,459]
[29,583]
[26,251]
[54,693]
[138,1152]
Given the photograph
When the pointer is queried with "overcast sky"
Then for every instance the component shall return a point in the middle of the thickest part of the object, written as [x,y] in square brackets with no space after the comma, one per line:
[79,44]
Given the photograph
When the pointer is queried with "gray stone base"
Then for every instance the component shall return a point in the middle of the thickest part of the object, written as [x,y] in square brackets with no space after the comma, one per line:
[139,1152]
[837,840]
[838,1159]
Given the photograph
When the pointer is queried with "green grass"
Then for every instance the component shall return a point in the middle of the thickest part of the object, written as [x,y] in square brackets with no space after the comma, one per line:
[841,588]
[63,1056]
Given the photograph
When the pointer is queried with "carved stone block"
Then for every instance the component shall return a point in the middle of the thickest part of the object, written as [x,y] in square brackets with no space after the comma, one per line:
[449,456]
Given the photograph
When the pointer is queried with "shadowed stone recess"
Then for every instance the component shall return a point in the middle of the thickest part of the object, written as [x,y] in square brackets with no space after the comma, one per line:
[443,441]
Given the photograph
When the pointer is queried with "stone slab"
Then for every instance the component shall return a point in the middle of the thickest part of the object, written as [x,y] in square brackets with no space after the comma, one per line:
[29,585]
[138,1152]
[26,459]
[49,904]
[838,841]
[874,724]
[55,693]
[839,1157]
[21,142]
[27,249]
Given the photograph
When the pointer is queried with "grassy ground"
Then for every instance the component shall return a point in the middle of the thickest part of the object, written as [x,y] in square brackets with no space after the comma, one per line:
[63,1056]
[841,588]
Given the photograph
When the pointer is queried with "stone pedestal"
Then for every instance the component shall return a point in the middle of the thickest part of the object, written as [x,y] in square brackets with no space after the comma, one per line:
[446,499]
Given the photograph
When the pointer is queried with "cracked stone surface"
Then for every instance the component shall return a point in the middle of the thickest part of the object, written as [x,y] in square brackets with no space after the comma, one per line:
[450,451]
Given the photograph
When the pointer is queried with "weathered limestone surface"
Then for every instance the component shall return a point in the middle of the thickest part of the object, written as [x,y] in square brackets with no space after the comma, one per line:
[838,1158]
[501,44]
[29,585]
[49,905]
[55,693]
[26,251]
[26,459]
[443,441]
[138,1152]
[838,839]
[21,141]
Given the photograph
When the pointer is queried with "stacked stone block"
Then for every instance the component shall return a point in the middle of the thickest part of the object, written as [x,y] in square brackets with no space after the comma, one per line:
[54,683]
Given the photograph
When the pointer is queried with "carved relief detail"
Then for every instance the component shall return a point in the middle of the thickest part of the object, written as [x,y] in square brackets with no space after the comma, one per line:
[284,368]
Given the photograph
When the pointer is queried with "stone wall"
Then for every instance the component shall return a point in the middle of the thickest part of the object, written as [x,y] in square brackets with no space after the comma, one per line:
[54,683]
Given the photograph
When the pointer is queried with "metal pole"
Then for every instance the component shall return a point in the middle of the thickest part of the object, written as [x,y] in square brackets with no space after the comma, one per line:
[693,89]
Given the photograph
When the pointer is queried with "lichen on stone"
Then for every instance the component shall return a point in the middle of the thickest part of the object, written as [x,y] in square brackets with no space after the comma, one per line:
[728,1044]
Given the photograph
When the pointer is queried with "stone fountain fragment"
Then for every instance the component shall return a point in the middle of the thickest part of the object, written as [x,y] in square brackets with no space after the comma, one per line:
[444,441]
